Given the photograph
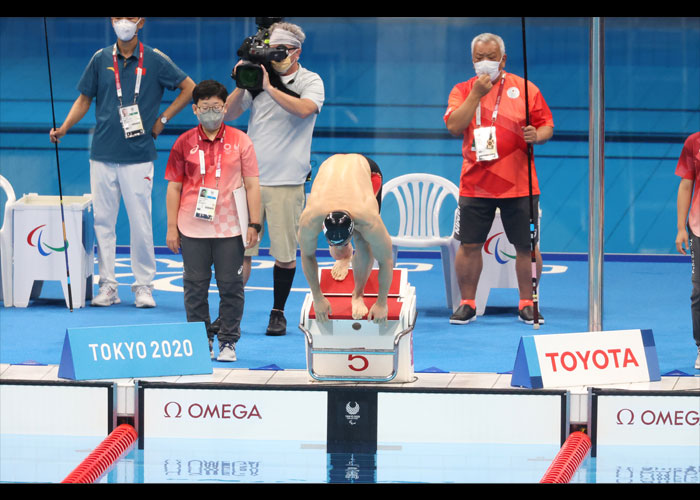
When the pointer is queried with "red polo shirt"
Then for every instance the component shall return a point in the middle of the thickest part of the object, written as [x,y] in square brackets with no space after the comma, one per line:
[235,151]
[507,176]
[689,168]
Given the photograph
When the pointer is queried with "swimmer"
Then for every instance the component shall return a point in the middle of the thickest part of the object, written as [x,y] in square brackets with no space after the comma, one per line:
[344,203]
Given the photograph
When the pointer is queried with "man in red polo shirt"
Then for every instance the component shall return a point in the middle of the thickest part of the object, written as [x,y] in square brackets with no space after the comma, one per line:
[488,111]
[688,204]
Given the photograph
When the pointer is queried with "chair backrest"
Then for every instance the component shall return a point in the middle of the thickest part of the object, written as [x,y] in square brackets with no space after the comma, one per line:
[7,187]
[419,198]
[6,244]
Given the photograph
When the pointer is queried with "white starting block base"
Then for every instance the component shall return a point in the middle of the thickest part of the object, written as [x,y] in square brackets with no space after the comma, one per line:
[345,349]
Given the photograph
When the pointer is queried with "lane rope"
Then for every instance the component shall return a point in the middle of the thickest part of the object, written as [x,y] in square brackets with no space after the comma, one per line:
[104,456]
[568,460]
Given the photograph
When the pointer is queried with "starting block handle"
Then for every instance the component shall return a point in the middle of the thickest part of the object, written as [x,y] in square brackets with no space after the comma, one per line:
[392,352]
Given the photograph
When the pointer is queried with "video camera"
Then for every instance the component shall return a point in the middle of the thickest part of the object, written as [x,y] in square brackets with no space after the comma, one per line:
[256,51]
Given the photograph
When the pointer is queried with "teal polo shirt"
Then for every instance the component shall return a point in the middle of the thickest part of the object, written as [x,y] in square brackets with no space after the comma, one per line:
[98,83]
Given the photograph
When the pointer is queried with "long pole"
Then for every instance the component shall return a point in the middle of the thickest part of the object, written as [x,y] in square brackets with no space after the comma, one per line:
[596,166]
[58,168]
[533,221]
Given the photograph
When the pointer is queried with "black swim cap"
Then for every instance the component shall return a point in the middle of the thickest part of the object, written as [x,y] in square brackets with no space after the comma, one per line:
[338,226]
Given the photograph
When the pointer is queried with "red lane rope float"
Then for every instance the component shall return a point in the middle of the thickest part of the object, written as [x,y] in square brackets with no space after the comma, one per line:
[104,456]
[568,460]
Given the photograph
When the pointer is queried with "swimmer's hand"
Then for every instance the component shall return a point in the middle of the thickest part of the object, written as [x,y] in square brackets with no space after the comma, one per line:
[322,307]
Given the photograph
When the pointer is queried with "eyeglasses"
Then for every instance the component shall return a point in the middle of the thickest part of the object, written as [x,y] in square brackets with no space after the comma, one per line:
[215,107]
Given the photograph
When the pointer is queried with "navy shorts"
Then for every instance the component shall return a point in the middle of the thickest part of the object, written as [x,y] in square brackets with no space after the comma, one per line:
[476,217]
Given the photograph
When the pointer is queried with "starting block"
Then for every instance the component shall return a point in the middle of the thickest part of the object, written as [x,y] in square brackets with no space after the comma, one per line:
[345,349]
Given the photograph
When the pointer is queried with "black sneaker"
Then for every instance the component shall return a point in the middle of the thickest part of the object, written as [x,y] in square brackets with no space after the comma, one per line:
[463,315]
[527,315]
[278,323]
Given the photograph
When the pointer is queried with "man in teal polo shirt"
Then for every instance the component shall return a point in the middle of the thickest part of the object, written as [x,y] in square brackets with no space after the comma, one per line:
[127,81]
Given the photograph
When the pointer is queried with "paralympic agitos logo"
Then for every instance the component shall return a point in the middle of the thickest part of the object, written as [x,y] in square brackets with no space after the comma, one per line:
[34,240]
[491,248]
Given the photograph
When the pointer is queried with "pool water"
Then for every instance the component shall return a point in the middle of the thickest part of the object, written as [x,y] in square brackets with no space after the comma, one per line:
[49,459]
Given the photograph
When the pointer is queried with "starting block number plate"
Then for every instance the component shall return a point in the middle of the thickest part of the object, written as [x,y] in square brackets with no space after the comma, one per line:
[354,363]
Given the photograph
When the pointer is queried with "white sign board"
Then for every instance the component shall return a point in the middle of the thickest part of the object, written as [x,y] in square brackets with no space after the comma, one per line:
[234,414]
[586,359]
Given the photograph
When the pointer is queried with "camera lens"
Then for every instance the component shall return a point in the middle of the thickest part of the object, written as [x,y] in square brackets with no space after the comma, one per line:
[249,77]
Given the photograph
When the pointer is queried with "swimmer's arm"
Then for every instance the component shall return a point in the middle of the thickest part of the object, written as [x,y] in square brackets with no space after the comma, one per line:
[309,264]
[386,268]
[309,229]
[307,242]
[380,242]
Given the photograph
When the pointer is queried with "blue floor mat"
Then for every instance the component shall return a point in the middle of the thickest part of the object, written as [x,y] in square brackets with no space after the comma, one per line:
[637,295]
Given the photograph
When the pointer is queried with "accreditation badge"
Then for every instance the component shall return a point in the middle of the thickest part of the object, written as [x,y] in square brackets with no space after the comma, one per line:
[131,121]
[485,143]
[206,203]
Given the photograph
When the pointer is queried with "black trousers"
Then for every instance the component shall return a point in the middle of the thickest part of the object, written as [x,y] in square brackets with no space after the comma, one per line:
[695,279]
[226,255]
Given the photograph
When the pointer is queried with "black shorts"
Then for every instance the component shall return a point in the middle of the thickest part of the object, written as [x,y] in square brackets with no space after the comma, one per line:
[476,217]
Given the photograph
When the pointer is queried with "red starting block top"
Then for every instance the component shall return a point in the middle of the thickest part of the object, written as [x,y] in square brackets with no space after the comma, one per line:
[330,286]
[341,307]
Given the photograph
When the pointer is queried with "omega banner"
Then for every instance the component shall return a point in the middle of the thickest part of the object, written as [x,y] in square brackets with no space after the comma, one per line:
[114,352]
[651,418]
[348,419]
[585,359]
[204,412]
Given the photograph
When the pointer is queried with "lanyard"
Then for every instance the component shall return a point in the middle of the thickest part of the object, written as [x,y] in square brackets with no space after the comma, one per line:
[495,109]
[203,163]
[139,72]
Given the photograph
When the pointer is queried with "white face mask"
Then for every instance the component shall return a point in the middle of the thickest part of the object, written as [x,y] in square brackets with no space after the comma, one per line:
[125,29]
[490,68]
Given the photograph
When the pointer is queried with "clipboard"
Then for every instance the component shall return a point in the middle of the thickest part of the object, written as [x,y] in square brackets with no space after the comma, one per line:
[241,200]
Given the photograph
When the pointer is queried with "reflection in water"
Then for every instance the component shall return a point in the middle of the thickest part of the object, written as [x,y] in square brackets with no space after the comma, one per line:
[49,459]
[352,468]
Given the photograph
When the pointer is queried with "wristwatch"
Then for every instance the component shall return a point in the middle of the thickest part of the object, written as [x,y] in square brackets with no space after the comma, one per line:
[163,119]
[255,226]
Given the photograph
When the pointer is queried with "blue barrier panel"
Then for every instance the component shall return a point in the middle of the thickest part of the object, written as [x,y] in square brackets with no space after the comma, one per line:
[135,351]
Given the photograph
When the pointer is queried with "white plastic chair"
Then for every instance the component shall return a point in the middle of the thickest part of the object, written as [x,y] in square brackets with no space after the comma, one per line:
[419,198]
[6,244]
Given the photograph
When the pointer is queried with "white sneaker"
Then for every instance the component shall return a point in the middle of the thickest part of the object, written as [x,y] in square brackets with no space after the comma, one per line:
[144,297]
[697,360]
[227,351]
[106,297]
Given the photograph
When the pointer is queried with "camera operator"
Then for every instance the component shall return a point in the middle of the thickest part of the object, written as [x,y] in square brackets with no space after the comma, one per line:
[281,126]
